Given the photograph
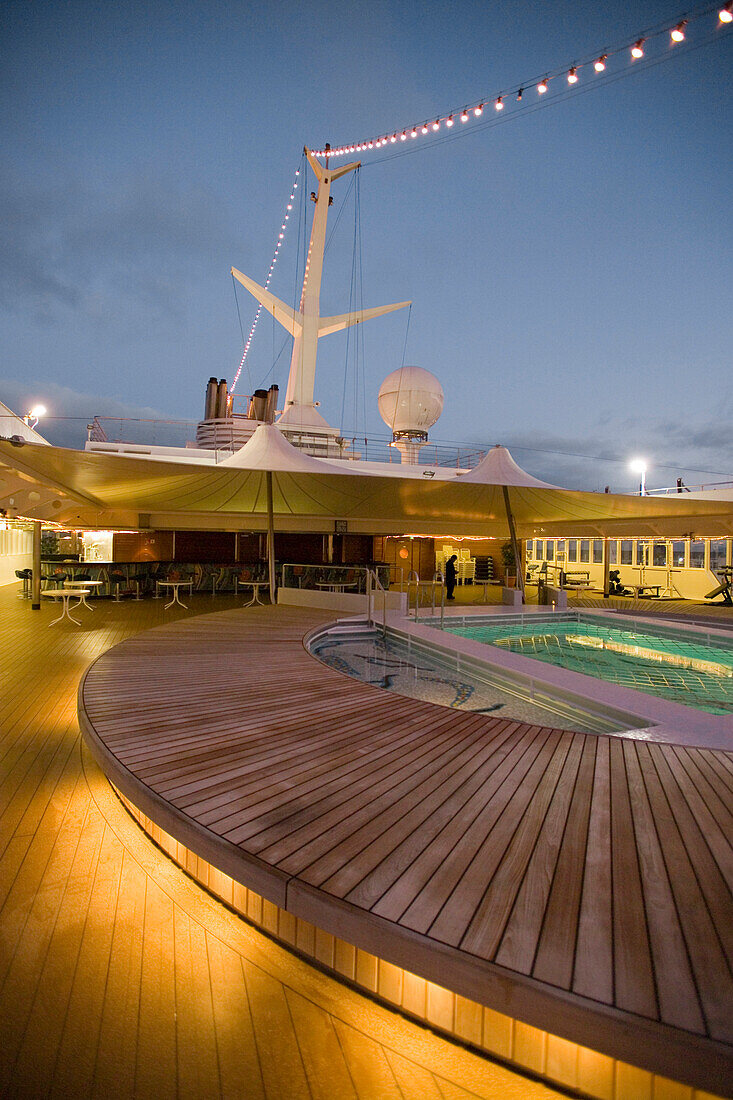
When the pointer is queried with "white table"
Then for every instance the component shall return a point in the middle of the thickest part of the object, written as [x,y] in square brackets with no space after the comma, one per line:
[336,586]
[255,586]
[175,585]
[76,587]
[65,594]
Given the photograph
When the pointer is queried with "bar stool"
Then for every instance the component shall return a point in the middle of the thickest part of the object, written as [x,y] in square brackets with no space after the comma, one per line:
[26,576]
[116,578]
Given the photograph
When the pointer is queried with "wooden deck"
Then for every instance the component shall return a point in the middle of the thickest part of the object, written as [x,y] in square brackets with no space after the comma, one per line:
[119,977]
[580,883]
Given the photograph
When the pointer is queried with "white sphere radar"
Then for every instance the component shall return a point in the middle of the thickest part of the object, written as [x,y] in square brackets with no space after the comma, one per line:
[410,400]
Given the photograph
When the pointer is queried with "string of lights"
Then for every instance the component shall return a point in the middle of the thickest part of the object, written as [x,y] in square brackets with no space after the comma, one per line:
[276,253]
[563,80]
[598,63]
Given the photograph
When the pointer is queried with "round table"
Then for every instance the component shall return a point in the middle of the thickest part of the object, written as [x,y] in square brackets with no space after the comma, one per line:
[66,594]
[255,586]
[175,585]
[76,586]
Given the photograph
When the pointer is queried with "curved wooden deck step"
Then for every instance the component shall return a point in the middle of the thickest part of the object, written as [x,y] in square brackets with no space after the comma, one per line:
[580,883]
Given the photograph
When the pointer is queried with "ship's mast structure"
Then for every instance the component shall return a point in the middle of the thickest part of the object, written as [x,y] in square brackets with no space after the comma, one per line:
[305,324]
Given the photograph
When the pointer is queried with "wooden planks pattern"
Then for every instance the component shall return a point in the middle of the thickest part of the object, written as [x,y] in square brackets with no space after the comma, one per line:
[118,976]
[597,866]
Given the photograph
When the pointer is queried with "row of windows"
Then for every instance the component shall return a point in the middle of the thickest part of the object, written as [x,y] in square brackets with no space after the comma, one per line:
[662,554]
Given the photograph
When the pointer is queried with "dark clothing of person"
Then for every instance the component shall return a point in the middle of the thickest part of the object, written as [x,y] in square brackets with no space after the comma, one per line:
[450,576]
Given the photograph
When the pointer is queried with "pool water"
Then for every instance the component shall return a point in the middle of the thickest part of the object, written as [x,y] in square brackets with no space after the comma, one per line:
[674,665]
[387,663]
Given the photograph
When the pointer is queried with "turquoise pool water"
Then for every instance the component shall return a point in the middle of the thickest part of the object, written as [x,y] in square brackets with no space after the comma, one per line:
[674,665]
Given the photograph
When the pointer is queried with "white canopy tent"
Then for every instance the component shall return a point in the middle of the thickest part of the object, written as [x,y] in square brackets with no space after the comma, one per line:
[269,477]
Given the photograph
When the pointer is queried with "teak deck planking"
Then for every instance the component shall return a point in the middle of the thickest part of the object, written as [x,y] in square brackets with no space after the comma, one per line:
[594,866]
[118,975]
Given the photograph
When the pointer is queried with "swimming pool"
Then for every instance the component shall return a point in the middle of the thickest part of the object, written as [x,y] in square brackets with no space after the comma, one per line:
[420,672]
[686,667]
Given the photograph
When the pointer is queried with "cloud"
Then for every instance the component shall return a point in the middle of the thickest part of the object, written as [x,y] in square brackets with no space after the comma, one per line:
[133,246]
[699,453]
[69,412]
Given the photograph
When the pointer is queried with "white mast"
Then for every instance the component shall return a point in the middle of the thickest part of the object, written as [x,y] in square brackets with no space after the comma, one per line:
[306,324]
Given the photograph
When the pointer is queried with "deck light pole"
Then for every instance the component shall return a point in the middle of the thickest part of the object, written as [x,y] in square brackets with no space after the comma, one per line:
[639,467]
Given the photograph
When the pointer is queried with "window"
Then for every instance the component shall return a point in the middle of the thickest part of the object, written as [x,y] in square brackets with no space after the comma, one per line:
[530,548]
[678,554]
[717,553]
[626,551]
[659,554]
[597,551]
[584,550]
[539,550]
[560,550]
[613,552]
[697,553]
[642,555]
[572,549]
[550,550]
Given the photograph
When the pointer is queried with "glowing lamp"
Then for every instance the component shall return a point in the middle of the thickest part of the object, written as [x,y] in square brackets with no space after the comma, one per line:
[449,120]
[637,50]
[403,136]
[436,125]
[464,116]
[413,132]
[572,76]
[425,128]
[393,138]
[542,87]
[478,110]
[678,34]
[499,105]
[638,466]
[600,64]
[725,15]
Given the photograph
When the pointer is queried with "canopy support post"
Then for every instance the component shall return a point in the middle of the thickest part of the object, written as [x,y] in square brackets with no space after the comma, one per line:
[270,538]
[515,545]
[606,569]
[36,581]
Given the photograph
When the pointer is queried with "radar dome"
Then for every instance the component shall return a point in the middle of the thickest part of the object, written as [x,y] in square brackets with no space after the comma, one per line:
[410,401]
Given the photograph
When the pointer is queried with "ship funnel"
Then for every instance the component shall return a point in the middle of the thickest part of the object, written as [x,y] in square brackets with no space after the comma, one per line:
[221,400]
[257,405]
[210,404]
[271,406]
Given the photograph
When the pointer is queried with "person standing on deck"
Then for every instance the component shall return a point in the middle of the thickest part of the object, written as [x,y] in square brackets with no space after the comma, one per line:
[450,576]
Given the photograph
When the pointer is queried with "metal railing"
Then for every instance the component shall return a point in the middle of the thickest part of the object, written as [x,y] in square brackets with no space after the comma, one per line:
[414,582]
[374,585]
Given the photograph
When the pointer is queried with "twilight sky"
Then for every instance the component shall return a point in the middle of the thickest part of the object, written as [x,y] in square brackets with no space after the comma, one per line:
[570,269]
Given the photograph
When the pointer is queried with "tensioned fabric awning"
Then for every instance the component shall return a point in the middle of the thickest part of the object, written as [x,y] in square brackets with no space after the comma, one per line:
[105,489]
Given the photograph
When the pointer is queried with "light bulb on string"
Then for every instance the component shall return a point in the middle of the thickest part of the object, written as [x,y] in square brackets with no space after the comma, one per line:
[725,15]
[678,34]
[478,111]
[542,86]
[520,93]
[573,76]
[464,115]
[413,132]
[436,125]
[449,120]
[499,105]
[637,50]
[600,64]
[403,136]
[425,128]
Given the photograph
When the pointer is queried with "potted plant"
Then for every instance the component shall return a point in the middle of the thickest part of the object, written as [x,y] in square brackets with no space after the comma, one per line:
[510,564]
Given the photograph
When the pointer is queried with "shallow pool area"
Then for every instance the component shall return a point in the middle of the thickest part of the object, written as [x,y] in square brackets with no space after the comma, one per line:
[694,669]
[395,664]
